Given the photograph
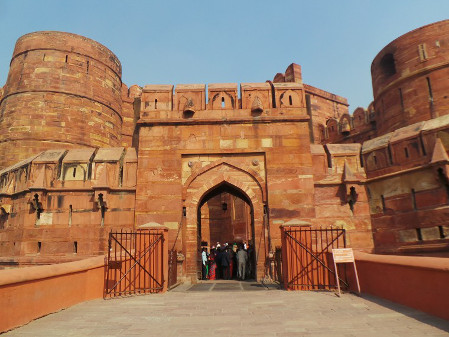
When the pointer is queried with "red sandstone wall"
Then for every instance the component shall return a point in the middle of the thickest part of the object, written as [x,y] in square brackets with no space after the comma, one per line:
[274,142]
[337,169]
[63,91]
[324,106]
[417,282]
[406,71]
[33,292]
[68,184]
[130,113]
[408,188]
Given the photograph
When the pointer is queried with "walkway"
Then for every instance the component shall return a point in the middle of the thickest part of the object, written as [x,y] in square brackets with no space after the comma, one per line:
[232,309]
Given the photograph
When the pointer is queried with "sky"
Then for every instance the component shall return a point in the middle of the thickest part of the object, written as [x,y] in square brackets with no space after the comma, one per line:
[193,41]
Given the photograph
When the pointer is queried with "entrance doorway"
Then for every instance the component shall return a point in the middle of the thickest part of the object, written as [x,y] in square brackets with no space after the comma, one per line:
[226,223]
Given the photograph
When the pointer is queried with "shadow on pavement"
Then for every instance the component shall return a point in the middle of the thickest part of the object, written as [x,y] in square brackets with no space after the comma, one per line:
[420,316]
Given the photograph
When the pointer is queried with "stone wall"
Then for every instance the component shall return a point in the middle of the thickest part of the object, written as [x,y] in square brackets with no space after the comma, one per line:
[30,293]
[189,148]
[408,187]
[60,205]
[395,278]
[340,195]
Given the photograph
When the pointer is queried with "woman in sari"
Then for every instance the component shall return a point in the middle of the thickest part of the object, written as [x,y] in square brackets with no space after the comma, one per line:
[212,264]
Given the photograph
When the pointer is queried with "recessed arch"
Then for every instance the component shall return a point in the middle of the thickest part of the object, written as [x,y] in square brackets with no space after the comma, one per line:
[203,184]
[248,170]
[224,187]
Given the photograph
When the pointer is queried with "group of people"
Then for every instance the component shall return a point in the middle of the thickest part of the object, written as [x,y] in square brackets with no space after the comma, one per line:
[227,262]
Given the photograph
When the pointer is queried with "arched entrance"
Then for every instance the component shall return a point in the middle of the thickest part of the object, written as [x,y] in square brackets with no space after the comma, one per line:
[209,182]
[225,218]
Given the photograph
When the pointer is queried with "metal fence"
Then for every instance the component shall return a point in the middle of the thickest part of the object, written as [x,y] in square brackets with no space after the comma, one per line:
[307,258]
[135,263]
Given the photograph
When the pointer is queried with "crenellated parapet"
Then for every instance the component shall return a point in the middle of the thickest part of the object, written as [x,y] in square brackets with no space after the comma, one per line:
[70,191]
[321,105]
[408,186]
[188,103]
[156,97]
[405,148]
[223,96]
[76,168]
[359,126]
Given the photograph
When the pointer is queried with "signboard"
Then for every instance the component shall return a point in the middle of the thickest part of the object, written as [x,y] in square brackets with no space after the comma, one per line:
[344,255]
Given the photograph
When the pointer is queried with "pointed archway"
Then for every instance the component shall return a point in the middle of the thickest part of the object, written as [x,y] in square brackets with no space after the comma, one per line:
[202,185]
[225,218]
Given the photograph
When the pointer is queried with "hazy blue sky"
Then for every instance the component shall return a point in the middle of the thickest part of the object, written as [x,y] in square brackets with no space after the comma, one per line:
[170,42]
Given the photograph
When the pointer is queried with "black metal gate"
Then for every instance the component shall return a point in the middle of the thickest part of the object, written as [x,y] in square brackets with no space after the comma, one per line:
[307,258]
[135,263]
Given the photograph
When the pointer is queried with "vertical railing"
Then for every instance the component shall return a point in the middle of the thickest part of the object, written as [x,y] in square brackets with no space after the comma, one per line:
[307,257]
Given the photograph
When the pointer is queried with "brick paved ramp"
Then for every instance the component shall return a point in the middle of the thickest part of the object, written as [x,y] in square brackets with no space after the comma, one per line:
[187,311]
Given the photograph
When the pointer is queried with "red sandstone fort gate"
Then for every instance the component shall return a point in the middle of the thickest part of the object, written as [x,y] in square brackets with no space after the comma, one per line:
[81,153]
[217,178]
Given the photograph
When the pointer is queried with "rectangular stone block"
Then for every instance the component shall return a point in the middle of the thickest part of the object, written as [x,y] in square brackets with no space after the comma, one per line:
[241,143]
[431,233]
[226,144]
[408,235]
[266,142]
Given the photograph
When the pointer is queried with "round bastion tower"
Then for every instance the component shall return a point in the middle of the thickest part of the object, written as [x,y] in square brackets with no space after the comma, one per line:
[410,78]
[63,91]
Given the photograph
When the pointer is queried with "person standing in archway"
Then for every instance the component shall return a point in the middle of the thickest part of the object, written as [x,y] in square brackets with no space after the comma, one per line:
[242,259]
[218,258]
[212,264]
[225,262]
[204,263]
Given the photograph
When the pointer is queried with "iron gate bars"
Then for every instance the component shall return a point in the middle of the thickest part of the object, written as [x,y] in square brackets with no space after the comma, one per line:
[306,258]
[135,263]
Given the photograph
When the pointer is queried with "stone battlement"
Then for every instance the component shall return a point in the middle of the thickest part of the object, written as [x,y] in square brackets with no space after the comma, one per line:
[221,96]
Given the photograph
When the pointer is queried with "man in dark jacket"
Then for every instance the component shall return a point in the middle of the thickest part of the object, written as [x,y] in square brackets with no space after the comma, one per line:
[225,262]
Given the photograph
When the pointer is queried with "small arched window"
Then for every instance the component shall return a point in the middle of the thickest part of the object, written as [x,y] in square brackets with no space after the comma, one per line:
[222,102]
[155,103]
